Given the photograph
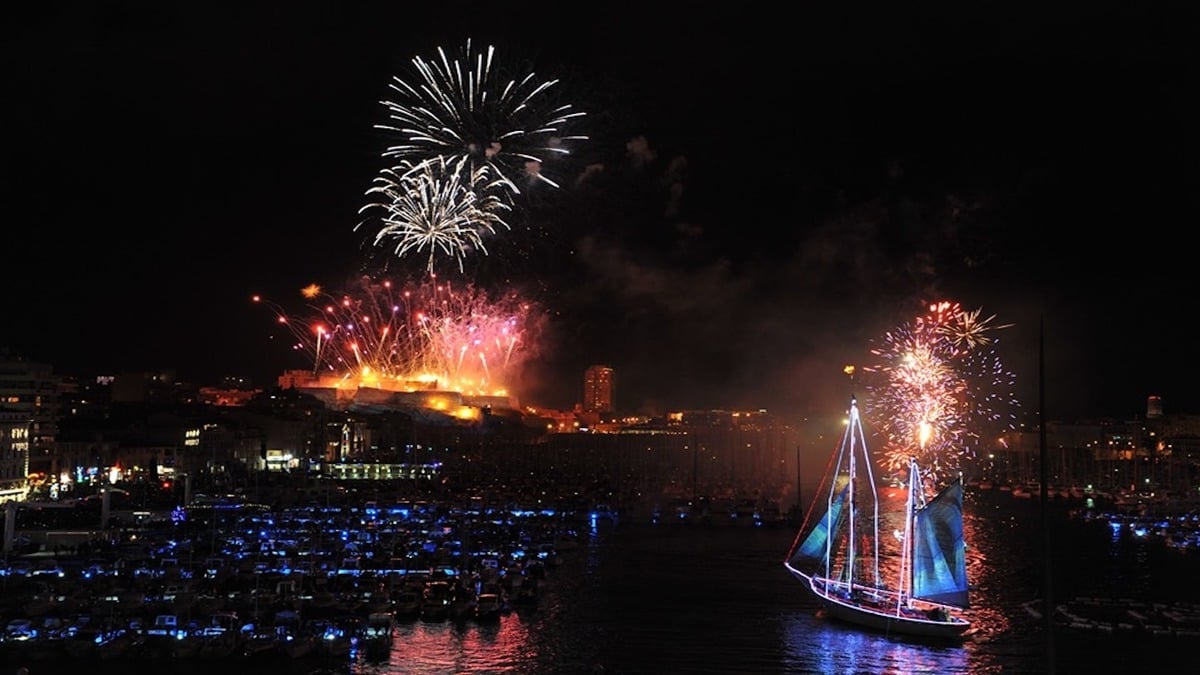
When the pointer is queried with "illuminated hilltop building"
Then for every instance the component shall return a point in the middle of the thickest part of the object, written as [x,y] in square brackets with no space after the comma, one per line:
[340,393]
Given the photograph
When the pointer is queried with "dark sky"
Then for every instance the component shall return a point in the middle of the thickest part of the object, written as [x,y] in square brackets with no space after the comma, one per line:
[780,187]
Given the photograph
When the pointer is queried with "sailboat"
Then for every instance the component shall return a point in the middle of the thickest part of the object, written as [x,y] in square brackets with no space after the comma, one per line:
[837,556]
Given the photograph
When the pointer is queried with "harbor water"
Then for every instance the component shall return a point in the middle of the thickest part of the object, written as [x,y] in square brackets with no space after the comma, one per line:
[635,597]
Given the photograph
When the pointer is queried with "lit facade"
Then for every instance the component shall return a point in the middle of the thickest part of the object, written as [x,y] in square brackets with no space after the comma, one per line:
[598,389]
[14,454]
[33,388]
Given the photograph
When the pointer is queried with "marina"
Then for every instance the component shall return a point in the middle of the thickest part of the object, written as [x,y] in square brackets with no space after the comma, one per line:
[613,600]
[1124,616]
[231,579]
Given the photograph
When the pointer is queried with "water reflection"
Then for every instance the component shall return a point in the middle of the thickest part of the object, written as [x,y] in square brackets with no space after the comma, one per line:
[991,572]
[815,645]
[612,622]
[428,648]
[994,555]
[702,599]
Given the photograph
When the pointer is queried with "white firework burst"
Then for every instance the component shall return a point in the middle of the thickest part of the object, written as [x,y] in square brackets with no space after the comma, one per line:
[439,207]
[464,108]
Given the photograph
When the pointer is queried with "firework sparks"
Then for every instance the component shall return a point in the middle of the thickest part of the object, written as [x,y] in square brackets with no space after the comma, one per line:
[964,328]
[419,337]
[438,207]
[464,108]
[940,387]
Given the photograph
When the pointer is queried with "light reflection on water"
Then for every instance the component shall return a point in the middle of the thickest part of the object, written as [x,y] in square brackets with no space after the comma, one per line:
[556,636]
[716,599]
[833,648]
[704,599]
[430,648]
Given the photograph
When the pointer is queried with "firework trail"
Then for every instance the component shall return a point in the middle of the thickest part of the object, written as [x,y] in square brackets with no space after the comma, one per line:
[421,336]
[938,387]
[464,108]
[439,207]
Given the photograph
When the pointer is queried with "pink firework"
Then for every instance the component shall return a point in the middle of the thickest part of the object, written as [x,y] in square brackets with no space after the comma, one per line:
[937,387]
[423,335]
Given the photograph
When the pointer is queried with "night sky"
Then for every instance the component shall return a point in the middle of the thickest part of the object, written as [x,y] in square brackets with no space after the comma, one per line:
[763,193]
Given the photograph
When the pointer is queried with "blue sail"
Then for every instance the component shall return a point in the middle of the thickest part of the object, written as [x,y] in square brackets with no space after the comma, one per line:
[815,546]
[939,550]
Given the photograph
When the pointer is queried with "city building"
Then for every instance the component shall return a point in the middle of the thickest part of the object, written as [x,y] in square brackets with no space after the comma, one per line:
[32,388]
[141,387]
[14,454]
[598,389]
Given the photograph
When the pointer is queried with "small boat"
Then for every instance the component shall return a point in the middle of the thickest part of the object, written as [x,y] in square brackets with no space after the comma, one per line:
[52,636]
[524,595]
[331,638]
[259,641]
[488,607]
[340,636]
[98,642]
[406,604]
[159,639]
[837,555]
[292,639]
[436,601]
[221,638]
[20,629]
[376,633]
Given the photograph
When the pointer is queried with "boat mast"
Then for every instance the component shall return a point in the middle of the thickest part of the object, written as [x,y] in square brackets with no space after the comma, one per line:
[858,437]
[852,504]
[910,508]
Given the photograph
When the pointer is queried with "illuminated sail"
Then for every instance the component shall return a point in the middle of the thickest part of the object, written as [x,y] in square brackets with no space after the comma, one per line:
[815,548]
[939,550]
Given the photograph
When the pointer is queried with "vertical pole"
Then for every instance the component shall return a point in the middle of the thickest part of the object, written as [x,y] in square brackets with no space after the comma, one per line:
[695,465]
[10,526]
[799,497]
[105,503]
[1048,604]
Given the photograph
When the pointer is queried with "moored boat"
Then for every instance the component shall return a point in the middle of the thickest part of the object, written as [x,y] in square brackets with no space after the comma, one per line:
[436,600]
[406,604]
[488,607]
[98,642]
[376,633]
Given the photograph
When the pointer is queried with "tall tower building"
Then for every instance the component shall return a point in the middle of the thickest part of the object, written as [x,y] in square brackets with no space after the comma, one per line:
[1154,407]
[598,389]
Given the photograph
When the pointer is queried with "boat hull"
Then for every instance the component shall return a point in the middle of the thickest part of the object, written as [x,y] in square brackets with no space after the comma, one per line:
[884,616]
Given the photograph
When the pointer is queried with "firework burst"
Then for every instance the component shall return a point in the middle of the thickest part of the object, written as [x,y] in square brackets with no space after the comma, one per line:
[421,336]
[440,207]
[465,108]
[939,387]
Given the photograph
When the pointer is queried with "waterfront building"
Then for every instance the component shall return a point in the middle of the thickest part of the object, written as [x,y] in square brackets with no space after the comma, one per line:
[33,388]
[14,454]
